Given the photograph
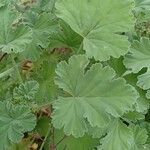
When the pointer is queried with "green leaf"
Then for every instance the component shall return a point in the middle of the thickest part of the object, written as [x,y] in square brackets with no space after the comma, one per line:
[12,39]
[44,6]
[146,125]
[26,91]
[83,143]
[42,126]
[140,138]
[142,104]
[140,4]
[45,77]
[118,138]
[99,25]
[144,79]
[121,137]
[70,143]
[5,2]
[66,37]
[138,59]
[134,116]
[139,56]
[95,96]
[42,28]
[97,132]
[33,52]
[14,121]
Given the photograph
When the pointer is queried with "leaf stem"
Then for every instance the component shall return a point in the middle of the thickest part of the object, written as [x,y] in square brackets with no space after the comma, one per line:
[16,68]
[80,48]
[7,72]
[2,56]
[65,147]
[53,135]
[64,137]
[47,134]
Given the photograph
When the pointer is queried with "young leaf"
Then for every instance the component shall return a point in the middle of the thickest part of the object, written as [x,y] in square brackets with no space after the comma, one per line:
[99,22]
[12,39]
[14,121]
[134,116]
[26,91]
[95,96]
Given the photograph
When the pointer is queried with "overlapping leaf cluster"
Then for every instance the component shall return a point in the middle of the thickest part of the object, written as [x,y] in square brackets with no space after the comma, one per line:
[76,70]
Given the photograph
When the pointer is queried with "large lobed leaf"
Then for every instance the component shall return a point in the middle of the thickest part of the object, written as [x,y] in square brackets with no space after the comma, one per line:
[95,96]
[99,22]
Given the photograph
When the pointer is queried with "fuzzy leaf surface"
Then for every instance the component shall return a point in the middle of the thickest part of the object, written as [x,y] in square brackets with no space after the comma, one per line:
[26,91]
[138,59]
[14,121]
[94,95]
[99,25]
[121,137]
[12,39]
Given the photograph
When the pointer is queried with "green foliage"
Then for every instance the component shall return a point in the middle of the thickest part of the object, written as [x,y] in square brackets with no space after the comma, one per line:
[125,138]
[104,95]
[99,29]
[14,121]
[26,91]
[75,74]
[14,38]
[139,59]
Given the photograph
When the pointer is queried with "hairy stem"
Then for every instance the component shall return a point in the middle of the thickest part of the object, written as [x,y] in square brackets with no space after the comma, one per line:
[7,72]
[47,134]
[16,68]
[53,135]
[2,56]
[53,146]
[80,48]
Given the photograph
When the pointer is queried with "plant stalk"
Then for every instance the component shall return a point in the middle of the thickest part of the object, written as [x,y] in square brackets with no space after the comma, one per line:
[47,134]
[7,72]
[16,68]
[80,48]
